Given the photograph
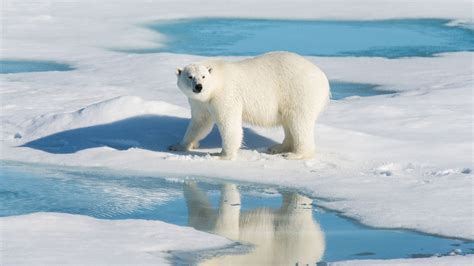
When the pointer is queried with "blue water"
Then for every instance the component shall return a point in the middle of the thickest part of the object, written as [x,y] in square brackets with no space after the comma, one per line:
[342,90]
[20,66]
[111,195]
[381,38]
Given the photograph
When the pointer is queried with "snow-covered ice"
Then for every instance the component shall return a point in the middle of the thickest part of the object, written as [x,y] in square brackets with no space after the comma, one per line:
[398,161]
[66,239]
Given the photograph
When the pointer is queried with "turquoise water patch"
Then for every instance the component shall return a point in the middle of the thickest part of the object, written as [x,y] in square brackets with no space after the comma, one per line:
[342,90]
[291,216]
[243,37]
[21,66]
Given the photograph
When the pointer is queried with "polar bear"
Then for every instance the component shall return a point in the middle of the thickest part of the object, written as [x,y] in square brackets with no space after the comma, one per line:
[273,89]
[287,235]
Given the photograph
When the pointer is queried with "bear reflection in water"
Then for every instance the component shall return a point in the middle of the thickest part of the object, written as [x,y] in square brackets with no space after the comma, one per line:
[284,236]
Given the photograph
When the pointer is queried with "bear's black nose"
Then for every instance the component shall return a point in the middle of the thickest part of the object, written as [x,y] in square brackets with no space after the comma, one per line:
[198,88]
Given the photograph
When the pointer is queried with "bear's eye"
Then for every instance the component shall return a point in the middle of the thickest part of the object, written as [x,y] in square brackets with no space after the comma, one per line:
[190,77]
[203,77]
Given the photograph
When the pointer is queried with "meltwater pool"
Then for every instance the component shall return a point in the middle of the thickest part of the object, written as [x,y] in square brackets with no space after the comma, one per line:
[22,66]
[373,38]
[265,217]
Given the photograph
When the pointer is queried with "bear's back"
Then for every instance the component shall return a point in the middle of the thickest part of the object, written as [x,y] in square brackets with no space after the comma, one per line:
[275,82]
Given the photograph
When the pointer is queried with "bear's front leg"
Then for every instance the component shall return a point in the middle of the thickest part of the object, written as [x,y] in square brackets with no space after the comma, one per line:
[229,123]
[199,127]
[197,130]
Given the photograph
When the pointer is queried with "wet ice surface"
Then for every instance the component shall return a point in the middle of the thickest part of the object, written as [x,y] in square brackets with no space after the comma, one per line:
[267,217]
[21,66]
[381,38]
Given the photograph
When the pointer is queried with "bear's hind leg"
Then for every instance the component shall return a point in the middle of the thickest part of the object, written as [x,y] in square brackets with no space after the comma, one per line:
[283,147]
[302,134]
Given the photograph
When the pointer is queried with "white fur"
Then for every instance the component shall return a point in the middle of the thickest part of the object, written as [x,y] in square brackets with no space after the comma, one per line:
[277,88]
[285,236]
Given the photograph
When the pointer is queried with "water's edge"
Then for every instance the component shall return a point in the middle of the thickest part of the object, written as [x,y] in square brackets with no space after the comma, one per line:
[193,257]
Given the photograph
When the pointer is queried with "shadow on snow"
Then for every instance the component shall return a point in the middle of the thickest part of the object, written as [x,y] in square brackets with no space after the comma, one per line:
[150,132]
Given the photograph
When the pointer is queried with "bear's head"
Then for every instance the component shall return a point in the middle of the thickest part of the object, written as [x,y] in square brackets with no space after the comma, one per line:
[196,81]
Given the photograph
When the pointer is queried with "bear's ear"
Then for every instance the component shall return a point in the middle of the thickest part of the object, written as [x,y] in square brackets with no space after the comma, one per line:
[178,71]
[209,69]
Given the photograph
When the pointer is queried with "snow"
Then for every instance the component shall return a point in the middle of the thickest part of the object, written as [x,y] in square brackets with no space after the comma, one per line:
[393,161]
[65,239]
[118,108]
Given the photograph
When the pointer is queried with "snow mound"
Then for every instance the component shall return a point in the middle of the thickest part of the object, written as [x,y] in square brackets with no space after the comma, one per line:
[121,123]
[104,112]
